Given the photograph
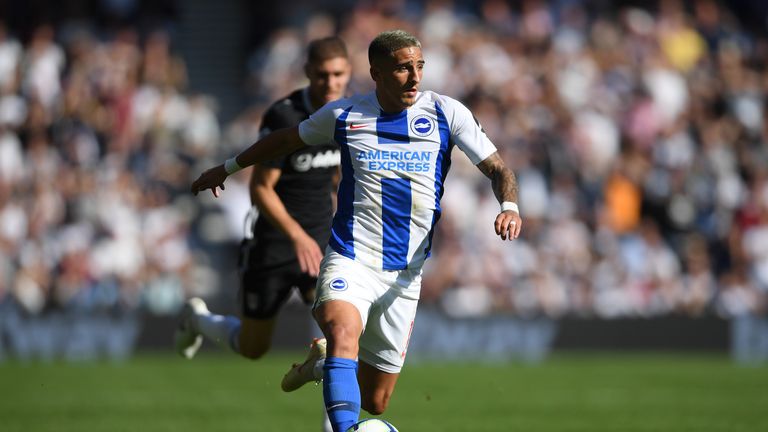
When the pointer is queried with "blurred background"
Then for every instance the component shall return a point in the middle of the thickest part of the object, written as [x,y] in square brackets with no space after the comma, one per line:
[638,131]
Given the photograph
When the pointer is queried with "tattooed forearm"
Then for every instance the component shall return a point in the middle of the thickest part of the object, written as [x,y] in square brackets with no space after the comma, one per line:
[503,180]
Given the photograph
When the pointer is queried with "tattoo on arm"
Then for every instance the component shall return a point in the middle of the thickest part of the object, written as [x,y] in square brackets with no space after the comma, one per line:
[503,180]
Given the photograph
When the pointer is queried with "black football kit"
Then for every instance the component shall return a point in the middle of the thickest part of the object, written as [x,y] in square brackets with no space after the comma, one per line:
[269,267]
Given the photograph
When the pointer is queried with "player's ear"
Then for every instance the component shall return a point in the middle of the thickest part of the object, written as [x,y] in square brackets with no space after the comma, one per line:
[375,73]
[307,70]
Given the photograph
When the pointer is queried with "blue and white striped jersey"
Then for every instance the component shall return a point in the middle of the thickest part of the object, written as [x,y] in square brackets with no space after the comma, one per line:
[393,170]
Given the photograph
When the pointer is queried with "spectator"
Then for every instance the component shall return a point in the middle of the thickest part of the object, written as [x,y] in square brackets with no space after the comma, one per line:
[640,136]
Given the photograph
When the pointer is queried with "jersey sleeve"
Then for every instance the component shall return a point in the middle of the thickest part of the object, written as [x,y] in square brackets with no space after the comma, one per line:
[466,132]
[274,120]
[318,128]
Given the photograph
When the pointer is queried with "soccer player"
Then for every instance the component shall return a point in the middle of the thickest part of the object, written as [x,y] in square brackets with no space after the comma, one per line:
[396,146]
[293,194]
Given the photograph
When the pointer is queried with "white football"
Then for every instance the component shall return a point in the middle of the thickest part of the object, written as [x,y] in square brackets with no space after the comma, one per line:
[372,425]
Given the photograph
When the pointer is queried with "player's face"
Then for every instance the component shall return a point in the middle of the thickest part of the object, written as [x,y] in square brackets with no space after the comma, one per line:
[328,80]
[397,78]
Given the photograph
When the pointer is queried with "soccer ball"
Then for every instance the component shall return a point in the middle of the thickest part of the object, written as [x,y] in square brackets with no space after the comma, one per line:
[372,425]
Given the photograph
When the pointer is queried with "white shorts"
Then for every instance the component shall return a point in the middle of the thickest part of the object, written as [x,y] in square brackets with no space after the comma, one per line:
[386,301]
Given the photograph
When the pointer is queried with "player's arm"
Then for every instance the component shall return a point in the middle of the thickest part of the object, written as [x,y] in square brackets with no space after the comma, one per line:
[263,195]
[278,143]
[504,183]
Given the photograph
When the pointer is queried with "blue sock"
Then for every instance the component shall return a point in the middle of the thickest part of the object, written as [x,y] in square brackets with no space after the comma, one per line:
[341,392]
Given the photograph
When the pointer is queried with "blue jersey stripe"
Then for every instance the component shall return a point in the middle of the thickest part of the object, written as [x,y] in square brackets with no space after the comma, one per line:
[396,218]
[393,129]
[342,240]
[442,165]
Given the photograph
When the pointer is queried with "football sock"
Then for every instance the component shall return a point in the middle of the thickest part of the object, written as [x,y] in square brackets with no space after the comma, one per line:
[326,422]
[341,392]
[222,329]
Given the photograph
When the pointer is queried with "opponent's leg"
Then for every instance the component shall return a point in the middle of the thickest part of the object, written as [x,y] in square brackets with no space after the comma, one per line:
[187,338]
[222,329]
[248,337]
[261,296]
[255,337]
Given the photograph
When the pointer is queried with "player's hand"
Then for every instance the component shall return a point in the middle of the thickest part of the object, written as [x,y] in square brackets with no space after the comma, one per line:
[212,179]
[508,225]
[308,253]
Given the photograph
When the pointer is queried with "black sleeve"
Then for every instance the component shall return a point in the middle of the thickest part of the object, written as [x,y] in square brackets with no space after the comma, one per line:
[273,120]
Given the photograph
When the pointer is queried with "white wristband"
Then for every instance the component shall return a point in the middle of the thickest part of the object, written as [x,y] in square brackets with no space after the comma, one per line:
[509,205]
[231,166]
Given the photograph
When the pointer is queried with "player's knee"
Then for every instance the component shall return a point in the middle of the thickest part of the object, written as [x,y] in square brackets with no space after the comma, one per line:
[376,405]
[253,351]
[343,339]
[375,400]
[254,354]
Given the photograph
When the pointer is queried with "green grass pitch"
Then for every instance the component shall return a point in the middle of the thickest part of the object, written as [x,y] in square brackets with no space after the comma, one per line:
[216,392]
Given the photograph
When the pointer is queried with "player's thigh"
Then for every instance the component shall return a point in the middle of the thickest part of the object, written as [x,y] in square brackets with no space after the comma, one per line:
[387,334]
[342,325]
[344,296]
[376,387]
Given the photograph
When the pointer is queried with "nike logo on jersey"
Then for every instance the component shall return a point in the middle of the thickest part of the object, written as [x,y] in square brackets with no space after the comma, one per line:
[358,126]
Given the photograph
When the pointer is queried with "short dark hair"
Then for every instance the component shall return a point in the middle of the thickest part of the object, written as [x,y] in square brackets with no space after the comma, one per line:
[388,42]
[327,48]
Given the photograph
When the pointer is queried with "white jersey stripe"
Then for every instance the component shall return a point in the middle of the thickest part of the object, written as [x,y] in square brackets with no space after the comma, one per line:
[342,239]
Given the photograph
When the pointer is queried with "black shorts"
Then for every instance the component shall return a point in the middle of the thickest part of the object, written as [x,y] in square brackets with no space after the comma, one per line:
[268,273]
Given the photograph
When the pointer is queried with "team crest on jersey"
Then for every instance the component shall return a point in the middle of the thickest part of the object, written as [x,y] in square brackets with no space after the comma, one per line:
[422,125]
[338,284]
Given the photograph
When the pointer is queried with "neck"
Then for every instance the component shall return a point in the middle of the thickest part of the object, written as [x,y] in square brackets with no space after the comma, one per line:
[316,102]
[387,107]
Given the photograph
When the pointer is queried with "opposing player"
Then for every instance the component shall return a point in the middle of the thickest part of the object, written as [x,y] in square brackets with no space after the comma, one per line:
[293,195]
[396,146]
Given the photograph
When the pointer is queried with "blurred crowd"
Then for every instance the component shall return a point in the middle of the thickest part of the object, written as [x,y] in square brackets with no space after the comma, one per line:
[97,139]
[639,138]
